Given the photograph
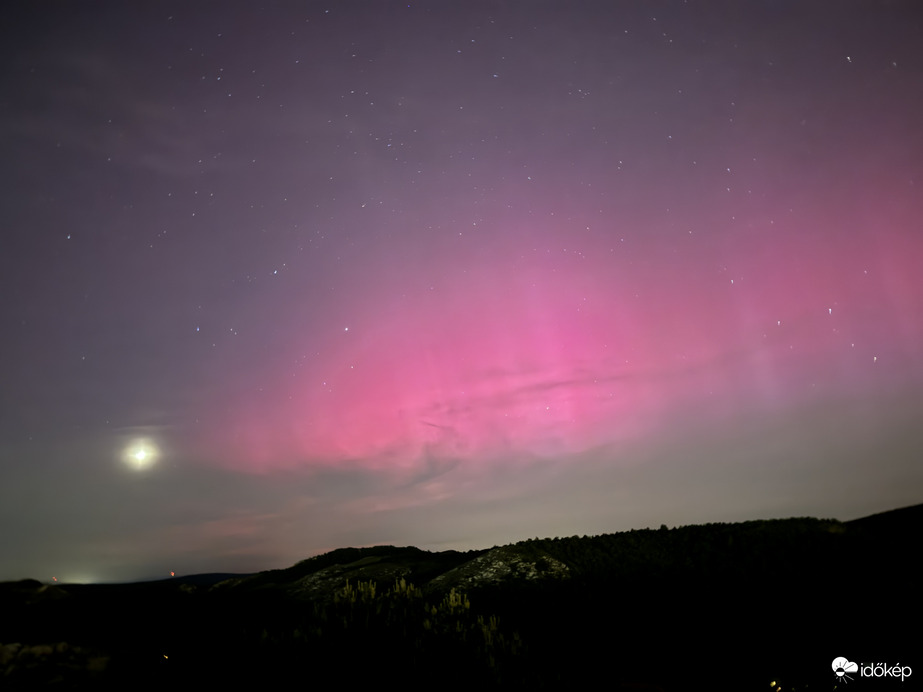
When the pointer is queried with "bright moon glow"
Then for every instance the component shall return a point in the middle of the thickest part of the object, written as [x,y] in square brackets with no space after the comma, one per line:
[140,455]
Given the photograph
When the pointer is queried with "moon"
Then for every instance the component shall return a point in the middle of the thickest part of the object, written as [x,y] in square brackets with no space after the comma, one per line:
[140,454]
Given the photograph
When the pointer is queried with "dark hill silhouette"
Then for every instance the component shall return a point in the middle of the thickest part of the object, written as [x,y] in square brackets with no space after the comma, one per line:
[903,523]
[716,605]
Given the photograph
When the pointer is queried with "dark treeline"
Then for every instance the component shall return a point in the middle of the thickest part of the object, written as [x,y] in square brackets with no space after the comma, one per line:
[719,605]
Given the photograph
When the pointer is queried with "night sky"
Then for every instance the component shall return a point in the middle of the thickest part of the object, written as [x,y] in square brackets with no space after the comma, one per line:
[279,278]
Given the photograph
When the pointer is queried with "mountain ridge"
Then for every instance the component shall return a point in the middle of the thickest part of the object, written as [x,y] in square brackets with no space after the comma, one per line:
[536,614]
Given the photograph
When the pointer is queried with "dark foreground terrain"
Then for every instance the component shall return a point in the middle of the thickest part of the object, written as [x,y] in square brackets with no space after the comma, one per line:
[719,606]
